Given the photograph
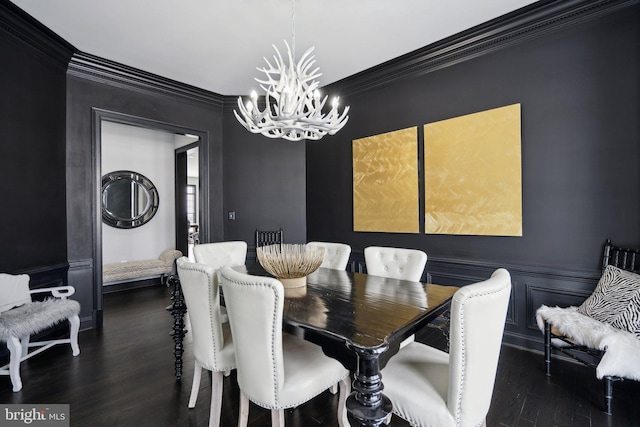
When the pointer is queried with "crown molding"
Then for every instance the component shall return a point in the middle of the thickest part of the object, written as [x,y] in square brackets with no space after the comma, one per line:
[102,70]
[28,30]
[518,26]
[521,25]
[24,28]
[230,102]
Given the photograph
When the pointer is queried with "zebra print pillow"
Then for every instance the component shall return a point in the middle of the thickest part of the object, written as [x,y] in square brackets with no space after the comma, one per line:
[616,300]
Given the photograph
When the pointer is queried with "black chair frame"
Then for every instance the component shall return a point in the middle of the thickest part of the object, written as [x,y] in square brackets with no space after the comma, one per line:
[623,258]
[265,238]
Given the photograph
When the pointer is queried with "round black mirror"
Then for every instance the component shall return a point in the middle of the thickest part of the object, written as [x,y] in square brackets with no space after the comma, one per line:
[129,199]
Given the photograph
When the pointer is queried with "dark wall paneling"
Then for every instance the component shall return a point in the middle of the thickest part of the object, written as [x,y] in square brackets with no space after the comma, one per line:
[531,287]
[57,275]
[264,184]
[551,290]
[536,295]
[579,89]
[81,276]
[32,160]
[107,89]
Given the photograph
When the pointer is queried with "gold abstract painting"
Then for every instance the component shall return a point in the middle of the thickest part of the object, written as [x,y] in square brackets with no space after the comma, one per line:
[473,174]
[385,182]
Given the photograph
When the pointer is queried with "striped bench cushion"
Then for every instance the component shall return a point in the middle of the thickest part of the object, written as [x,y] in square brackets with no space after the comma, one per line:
[616,300]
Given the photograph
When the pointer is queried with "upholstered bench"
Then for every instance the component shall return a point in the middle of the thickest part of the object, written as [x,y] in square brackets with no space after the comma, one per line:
[603,332]
[621,349]
[128,271]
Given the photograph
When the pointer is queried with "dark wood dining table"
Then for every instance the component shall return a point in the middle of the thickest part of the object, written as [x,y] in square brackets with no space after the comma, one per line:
[356,318]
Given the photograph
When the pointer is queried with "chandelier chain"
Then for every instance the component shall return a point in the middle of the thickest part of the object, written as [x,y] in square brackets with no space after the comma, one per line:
[293,28]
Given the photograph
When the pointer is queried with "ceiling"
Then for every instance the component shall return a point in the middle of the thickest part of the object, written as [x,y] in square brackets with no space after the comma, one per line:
[216,45]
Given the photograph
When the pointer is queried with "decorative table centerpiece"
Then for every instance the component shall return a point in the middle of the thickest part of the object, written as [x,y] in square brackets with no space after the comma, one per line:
[290,263]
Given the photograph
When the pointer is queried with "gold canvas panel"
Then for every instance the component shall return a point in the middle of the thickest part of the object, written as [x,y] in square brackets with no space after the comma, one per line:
[473,174]
[385,182]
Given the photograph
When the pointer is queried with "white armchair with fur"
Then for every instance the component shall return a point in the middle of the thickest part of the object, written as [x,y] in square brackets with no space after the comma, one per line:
[20,317]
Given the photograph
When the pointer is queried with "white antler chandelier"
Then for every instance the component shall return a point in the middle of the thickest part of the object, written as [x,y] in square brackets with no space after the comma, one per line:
[293,105]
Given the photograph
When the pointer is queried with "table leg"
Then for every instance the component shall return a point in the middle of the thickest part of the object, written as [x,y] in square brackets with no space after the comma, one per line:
[366,405]
[178,308]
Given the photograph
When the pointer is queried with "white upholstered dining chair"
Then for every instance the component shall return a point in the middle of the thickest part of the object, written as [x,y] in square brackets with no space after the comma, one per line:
[275,370]
[430,388]
[396,263]
[336,255]
[221,254]
[212,341]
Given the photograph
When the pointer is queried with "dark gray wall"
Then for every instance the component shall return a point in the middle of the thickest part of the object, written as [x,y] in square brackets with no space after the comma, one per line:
[580,95]
[32,153]
[32,147]
[264,184]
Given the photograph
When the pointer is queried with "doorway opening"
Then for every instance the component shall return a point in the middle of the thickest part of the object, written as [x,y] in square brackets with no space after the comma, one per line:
[187,167]
[139,126]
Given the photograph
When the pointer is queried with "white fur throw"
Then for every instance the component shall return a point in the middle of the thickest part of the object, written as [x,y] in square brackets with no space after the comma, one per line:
[622,348]
[33,317]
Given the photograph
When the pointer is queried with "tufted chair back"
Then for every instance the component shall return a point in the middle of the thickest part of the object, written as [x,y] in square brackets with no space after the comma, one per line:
[478,314]
[221,254]
[336,255]
[212,347]
[255,306]
[395,263]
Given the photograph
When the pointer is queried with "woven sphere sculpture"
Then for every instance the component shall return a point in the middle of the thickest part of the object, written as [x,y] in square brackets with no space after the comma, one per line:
[290,263]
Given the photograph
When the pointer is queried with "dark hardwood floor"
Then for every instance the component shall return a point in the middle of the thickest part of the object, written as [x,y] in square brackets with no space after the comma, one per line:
[124,377]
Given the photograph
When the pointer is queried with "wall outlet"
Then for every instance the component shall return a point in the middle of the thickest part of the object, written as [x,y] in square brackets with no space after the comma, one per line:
[231,216]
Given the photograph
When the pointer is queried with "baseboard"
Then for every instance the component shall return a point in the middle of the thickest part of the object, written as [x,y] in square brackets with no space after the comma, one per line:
[129,285]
